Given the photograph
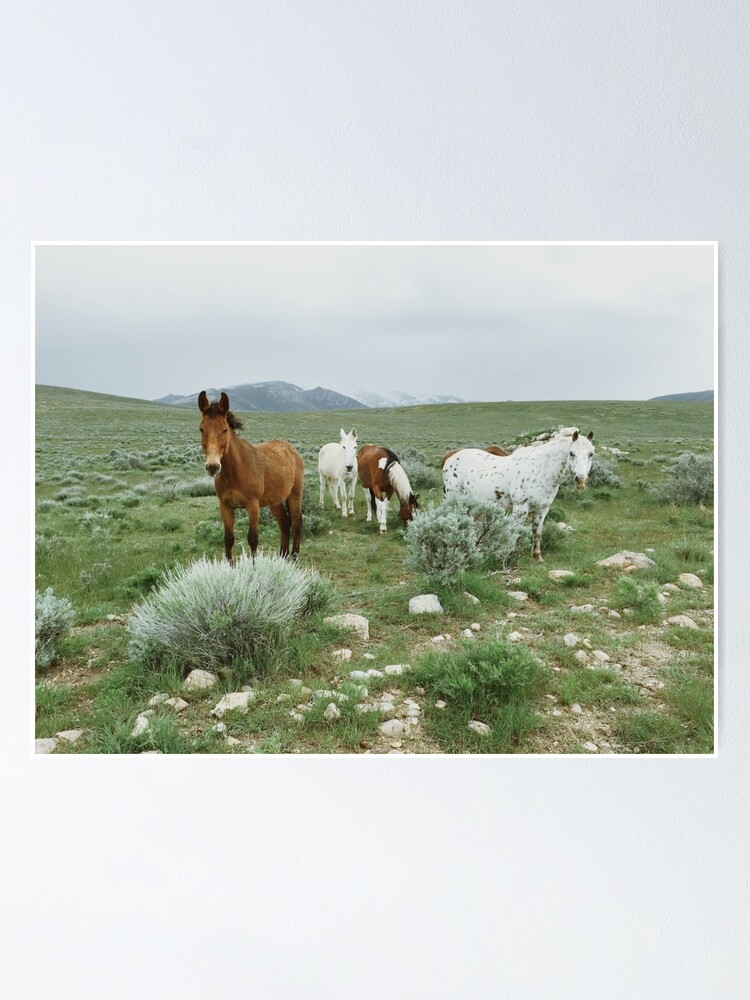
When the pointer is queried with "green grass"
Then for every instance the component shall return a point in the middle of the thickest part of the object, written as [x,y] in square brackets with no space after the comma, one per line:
[122,499]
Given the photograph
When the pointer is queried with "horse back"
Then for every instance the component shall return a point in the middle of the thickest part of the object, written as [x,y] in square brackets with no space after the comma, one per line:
[270,471]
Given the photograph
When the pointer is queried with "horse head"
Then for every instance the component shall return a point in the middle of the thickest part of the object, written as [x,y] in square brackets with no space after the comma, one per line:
[580,457]
[214,428]
[349,444]
[407,508]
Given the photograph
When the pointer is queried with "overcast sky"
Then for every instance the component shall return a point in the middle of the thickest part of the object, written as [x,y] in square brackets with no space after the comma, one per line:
[478,322]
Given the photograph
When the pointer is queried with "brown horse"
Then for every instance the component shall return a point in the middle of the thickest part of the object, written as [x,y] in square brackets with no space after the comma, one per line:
[269,474]
[381,475]
[493,449]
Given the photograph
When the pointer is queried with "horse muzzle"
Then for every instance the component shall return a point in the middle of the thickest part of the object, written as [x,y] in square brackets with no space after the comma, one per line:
[213,469]
[581,483]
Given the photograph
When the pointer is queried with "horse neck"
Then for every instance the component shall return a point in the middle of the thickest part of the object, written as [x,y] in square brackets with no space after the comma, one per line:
[555,459]
[233,454]
[399,481]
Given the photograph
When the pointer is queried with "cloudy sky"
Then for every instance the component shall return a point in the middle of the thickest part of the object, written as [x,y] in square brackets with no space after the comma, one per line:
[482,322]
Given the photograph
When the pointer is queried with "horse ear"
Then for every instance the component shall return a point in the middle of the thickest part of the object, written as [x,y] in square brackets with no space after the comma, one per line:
[203,401]
[575,436]
[590,436]
[342,432]
[354,432]
[224,404]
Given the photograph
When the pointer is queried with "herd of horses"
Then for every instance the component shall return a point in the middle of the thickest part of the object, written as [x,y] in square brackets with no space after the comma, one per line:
[271,474]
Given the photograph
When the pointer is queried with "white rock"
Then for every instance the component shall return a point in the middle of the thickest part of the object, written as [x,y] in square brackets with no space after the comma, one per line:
[576,709]
[438,638]
[581,655]
[199,680]
[369,656]
[297,716]
[413,713]
[471,597]
[512,615]
[282,697]
[70,735]
[672,588]
[628,560]
[556,712]
[384,706]
[467,633]
[690,580]
[365,707]
[232,741]
[440,705]
[476,627]
[359,675]
[342,654]
[396,668]
[158,699]
[601,656]
[357,623]
[615,614]
[296,682]
[571,639]
[518,595]
[582,609]
[479,727]
[332,711]
[220,727]
[178,704]
[236,700]
[560,574]
[425,604]
[372,672]
[141,725]
[46,745]
[591,747]
[515,637]
[683,621]
[393,727]
[663,599]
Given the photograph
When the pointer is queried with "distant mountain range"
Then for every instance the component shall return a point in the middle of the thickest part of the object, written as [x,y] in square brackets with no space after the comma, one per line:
[284,397]
[705,396]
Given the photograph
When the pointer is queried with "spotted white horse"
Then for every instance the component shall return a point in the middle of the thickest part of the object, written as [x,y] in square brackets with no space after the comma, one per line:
[337,468]
[527,480]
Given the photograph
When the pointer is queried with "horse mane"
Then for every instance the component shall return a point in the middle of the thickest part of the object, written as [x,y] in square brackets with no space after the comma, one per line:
[234,422]
[397,477]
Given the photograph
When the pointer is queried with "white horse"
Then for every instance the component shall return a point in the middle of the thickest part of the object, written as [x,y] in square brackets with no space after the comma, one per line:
[337,467]
[527,480]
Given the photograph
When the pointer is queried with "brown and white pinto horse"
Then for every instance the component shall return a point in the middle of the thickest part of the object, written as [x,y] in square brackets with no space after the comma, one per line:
[492,449]
[381,475]
[269,474]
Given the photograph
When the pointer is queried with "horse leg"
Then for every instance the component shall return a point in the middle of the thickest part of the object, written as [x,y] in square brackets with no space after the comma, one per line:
[284,520]
[333,486]
[227,516]
[381,508]
[341,493]
[294,507]
[369,502]
[349,494]
[537,523]
[322,488]
[253,516]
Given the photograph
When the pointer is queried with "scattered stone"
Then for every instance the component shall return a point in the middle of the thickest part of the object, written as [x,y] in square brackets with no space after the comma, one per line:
[512,615]
[582,609]
[571,639]
[601,656]
[297,716]
[425,604]
[70,735]
[141,725]
[332,711]
[556,712]
[591,747]
[178,704]
[359,675]
[220,727]
[476,627]
[199,680]
[357,623]
[614,614]
[440,705]
[364,707]
[576,709]
[663,599]
[393,727]
[384,706]
[560,574]
[396,744]
[368,656]
[46,745]
[232,741]
[515,637]
[230,702]
[296,682]
[587,643]
[471,597]
[342,654]
[158,699]
[479,727]
[518,595]
[396,668]
[624,560]
[467,633]
[374,673]
[672,588]
[582,656]
[683,621]
[438,638]
[690,580]
[282,697]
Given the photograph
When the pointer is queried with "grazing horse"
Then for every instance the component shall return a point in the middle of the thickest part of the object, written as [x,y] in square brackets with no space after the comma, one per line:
[269,474]
[337,466]
[527,480]
[492,449]
[382,475]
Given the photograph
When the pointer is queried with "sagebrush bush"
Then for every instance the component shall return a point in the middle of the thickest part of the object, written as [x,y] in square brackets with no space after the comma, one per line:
[53,619]
[460,535]
[689,480]
[217,615]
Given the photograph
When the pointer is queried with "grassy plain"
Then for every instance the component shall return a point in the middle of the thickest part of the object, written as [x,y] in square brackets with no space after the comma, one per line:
[122,496]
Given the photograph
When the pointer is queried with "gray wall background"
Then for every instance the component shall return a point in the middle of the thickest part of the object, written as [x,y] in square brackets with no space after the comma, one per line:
[358,878]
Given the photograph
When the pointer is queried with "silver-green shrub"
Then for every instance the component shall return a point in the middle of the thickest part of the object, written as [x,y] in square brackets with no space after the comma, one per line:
[217,615]
[689,480]
[52,621]
[459,535]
